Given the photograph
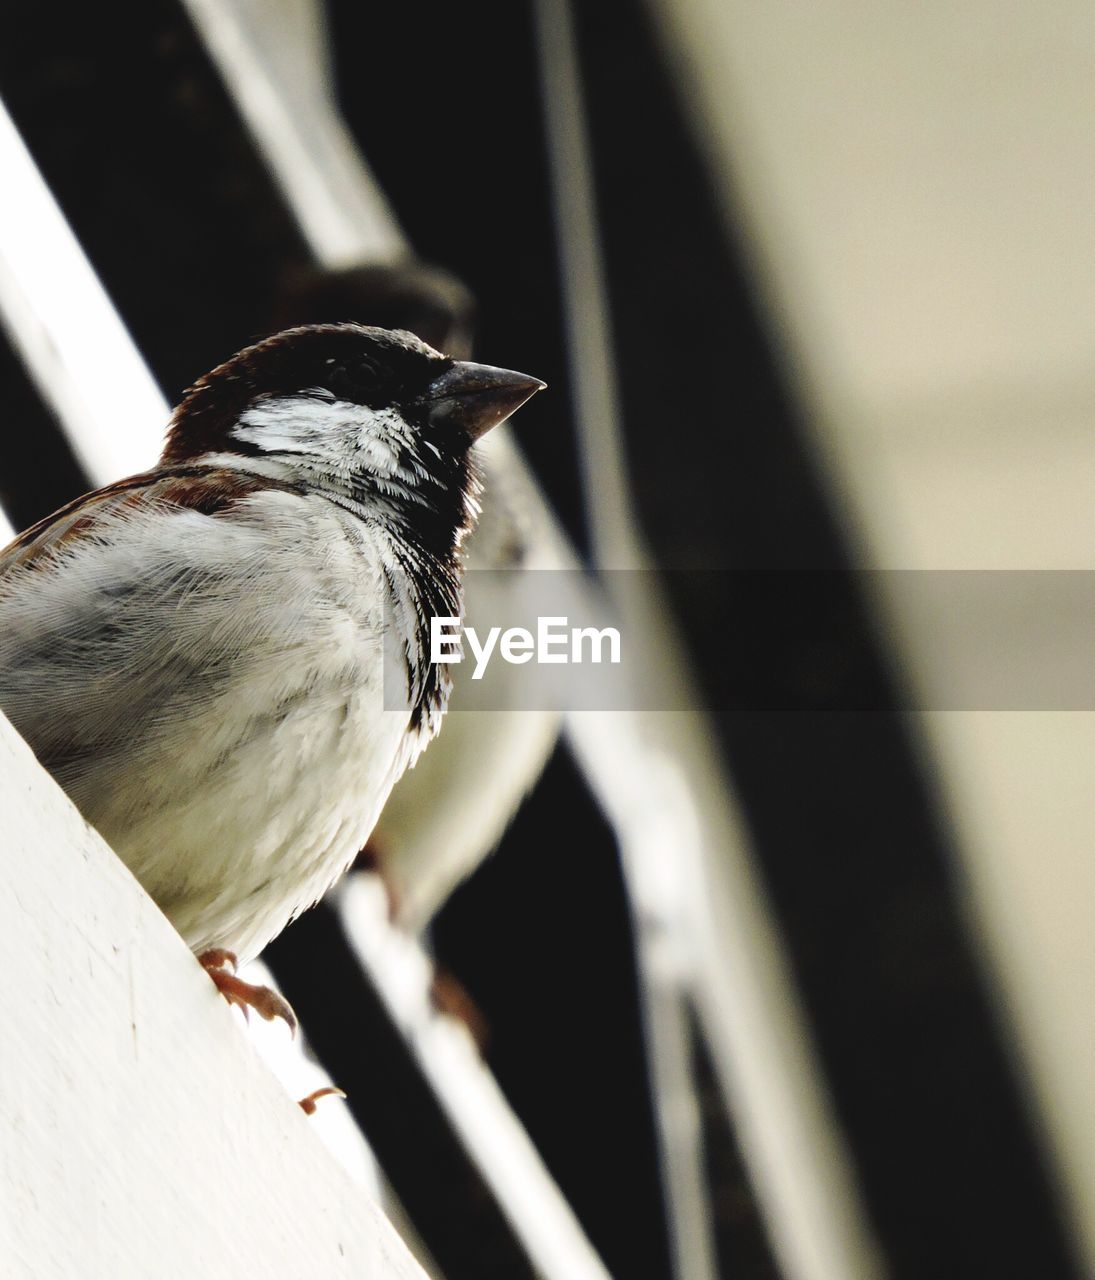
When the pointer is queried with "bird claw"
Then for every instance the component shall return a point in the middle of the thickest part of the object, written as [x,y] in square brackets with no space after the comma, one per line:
[308,1104]
[267,1003]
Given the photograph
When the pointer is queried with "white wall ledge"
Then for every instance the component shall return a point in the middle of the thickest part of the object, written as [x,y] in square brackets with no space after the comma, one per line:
[142,1135]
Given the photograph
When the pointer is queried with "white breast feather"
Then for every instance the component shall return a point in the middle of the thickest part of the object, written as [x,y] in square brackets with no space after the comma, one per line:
[242,805]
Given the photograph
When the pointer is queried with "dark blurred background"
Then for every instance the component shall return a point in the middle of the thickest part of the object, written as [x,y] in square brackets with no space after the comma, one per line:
[142,147]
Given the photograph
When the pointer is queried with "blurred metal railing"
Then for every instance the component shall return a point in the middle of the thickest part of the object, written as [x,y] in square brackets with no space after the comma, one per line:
[72,341]
[710,938]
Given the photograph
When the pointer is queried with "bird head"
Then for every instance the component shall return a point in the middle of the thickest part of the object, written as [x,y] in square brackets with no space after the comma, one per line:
[347,395]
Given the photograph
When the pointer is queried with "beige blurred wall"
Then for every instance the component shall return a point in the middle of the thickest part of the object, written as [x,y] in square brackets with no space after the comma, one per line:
[917,185]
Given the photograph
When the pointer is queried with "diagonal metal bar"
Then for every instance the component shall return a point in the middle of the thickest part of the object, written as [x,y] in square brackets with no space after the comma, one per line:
[467,1092]
[66,330]
[272,57]
[646,767]
[655,896]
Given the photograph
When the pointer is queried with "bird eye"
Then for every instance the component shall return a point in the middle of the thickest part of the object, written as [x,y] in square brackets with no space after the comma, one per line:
[346,380]
[358,380]
[338,380]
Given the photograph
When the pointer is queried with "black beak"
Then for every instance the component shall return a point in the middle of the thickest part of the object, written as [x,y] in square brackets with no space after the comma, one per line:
[476,397]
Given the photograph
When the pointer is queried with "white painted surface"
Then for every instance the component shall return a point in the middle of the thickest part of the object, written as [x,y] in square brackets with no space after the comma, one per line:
[142,1134]
[917,189]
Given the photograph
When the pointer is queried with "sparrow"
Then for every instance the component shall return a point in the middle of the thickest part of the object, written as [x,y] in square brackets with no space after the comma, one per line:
[225,661]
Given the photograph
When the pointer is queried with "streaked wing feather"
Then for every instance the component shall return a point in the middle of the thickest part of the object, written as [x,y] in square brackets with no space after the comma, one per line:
[82,672]
[208,490]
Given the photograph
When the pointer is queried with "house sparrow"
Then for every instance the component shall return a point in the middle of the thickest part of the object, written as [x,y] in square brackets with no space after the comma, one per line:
[198,654]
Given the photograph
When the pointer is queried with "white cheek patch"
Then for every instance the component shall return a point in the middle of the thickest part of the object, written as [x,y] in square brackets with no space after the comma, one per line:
[296,424]
[381,432]
[342,438]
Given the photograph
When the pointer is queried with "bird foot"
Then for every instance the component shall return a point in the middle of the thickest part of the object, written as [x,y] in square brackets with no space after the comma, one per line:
[267,1003]
[308,1104]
